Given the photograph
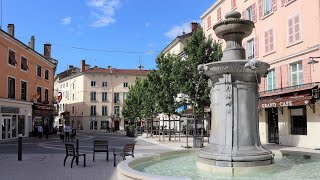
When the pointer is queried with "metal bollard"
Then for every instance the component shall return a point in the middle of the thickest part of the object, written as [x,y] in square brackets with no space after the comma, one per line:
[77,150]
[20,147]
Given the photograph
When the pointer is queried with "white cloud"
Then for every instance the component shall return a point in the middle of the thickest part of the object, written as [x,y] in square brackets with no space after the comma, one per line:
[178,30]
[103,11]
[66,20]
[147,24]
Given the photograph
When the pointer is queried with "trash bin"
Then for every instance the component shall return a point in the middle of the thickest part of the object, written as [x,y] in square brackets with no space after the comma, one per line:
[197,142]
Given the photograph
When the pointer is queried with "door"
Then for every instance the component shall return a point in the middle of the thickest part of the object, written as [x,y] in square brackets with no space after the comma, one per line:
[116,125]
[6,127]
[273,130]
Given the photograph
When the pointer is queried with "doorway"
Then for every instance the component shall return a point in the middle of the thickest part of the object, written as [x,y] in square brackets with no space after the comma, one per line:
[6,127]
[273,129]
[116,125]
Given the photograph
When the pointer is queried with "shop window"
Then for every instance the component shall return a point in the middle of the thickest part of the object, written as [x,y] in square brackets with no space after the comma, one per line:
[298,121]
[11,88]
[271,80]
[296,75]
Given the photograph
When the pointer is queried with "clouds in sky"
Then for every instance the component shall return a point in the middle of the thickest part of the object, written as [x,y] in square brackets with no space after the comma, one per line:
[103,11]
[178,30]
[66,20]
[147,24]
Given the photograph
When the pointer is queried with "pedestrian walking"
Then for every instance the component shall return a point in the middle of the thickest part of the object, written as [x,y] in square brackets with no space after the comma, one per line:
[67,130]
[40,131]
[46,130]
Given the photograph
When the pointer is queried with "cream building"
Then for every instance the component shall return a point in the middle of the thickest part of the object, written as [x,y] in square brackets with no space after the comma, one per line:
[286,36]
[92,99]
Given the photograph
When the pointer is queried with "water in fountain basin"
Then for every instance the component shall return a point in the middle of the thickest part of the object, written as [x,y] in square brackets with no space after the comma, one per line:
[286,168]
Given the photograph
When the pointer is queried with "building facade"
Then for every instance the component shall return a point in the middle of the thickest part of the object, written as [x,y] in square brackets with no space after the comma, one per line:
[26,98]
[93,98]
[285,37]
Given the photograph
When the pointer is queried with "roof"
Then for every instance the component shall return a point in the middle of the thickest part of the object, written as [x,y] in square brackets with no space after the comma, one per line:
[52,61]
[176,40]
[117,71]
[68,72]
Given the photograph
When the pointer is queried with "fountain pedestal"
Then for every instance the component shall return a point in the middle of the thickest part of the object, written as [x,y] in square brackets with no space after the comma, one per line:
[234,138]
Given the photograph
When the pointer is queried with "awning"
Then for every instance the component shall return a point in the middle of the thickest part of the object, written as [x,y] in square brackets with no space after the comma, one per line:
[286,90]
[285,102]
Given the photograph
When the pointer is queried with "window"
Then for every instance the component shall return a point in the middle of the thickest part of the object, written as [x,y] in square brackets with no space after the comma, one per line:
[219,14]
[104,111]
[125,84]
[46,95]
[104,96]
[298,121]
[233,4]
[116,98]
[24,90]
[72,86]
[104,84]
[66,84]
[250,49]
[72,97]
[125,94]
[267,7]
[93,96]
[271,80]
[116,111]
[249,13]
[93,111]
[93,84]
[72,109]
[38,70]
[38,94]
[46,75]
[294,32]
[11,88]
[296,75]
[268,41]
[208,22]
[24,63]
[12,58]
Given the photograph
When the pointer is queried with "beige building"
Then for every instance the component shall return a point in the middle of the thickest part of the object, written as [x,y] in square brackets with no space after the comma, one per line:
[92,98]
[286,36]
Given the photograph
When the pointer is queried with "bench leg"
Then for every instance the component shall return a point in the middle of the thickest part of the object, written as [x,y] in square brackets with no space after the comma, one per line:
[93,155]
[64,162]
[114,160]
[84,160]
[72,160]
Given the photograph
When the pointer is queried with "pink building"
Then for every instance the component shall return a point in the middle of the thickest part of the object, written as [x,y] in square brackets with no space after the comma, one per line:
[286,35]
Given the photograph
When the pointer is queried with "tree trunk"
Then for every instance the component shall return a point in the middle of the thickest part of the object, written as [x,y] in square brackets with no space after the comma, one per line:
[169,128]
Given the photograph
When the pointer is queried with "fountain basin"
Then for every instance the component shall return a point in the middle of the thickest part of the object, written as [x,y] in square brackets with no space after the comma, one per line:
[181,165]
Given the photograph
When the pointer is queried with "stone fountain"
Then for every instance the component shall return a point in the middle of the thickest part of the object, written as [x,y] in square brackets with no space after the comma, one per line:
[235,142]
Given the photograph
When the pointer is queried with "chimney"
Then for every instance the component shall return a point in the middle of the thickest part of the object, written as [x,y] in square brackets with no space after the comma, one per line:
[140,67]
[11,29]
[82,65]
[32,41]
[109,67]
[47,50]
[87,66]
[194,26]
[70,67]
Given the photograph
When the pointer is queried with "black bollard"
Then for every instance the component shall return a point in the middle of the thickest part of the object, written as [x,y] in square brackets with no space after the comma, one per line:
[20,147]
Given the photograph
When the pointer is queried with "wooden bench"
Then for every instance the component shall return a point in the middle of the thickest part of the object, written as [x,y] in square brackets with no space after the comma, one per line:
[128,150]
[70,151]
[100,146]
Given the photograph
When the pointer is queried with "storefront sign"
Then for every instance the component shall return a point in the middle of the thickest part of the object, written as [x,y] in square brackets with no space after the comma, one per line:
[277,104]
[9,110]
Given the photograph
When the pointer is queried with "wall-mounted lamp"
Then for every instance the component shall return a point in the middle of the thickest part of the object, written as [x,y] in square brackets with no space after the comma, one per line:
[312,61]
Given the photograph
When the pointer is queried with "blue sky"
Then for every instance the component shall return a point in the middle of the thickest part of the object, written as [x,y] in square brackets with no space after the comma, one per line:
[137,28]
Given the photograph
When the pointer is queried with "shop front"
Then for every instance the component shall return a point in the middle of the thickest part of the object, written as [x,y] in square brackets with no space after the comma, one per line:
[42,114]
[15,118]
[290,116]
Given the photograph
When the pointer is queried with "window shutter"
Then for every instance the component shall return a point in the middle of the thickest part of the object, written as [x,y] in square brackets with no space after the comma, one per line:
[233,4]
[256,47]
[290,31]
[283,2]
[274,5]
[297,27]
[209,22]
[266,41]
[260,9]
[271,48]
[254,13]
[219,14]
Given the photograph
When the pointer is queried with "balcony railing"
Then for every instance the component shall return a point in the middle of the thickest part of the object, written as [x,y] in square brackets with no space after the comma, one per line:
[297,87]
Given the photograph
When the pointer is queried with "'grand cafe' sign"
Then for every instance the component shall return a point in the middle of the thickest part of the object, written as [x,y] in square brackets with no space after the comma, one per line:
[277,104]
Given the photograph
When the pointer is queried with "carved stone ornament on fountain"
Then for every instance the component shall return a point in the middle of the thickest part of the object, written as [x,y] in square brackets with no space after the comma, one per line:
[234,138]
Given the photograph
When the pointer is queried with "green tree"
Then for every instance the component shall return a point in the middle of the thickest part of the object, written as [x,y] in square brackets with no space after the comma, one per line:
[198,50]
[168,88]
